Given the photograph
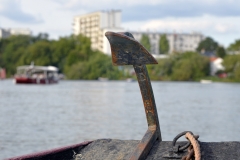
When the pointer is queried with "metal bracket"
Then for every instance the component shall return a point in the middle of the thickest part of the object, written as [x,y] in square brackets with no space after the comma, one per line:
[174,155]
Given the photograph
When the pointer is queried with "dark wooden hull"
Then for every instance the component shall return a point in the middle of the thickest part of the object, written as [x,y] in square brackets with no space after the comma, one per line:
[112,149]
[66,152]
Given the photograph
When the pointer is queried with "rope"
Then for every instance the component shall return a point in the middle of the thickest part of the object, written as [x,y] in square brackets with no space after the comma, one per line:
[195,145]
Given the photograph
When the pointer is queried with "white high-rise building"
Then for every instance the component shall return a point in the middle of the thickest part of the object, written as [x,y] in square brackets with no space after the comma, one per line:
[94,25]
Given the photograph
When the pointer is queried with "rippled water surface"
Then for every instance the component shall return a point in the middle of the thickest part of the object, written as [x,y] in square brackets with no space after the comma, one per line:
[39,117]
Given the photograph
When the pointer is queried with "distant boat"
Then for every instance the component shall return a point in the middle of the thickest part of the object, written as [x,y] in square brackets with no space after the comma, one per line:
[2,73]
[36,75]
[61,76]
[102,79]
[130,80]
[204,81]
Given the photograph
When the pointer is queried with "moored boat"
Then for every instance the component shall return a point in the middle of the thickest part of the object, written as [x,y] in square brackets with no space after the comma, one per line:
[130,80]
[36,75]
[205,81]
[103,79]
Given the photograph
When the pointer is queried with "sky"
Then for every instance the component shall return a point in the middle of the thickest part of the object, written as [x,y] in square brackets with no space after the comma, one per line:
[219,19]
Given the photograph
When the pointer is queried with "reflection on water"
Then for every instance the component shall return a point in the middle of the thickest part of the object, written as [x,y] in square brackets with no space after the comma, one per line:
[39,117]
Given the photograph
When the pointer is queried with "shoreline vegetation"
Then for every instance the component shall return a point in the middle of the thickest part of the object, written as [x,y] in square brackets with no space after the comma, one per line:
[76,60]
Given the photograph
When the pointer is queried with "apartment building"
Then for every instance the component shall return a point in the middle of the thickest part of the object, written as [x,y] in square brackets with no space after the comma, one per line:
[20,31]
[4,33]
[178,42]
[94,25]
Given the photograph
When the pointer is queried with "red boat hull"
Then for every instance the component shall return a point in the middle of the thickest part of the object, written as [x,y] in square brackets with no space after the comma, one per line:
[23,80]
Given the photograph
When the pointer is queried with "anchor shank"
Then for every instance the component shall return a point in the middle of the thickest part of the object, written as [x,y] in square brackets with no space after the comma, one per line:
[147,96]
[153,133]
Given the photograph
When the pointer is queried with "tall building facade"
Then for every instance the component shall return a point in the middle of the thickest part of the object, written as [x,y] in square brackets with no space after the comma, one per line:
[94,25]
[178,42]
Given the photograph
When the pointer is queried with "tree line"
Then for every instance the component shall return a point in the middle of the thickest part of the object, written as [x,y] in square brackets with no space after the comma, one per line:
[75,59]
[72,55]
[195,65]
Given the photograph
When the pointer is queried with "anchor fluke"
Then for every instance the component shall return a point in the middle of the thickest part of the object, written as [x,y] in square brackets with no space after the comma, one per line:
[127,51]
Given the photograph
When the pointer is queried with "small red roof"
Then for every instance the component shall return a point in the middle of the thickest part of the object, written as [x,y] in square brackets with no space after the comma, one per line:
[213,58]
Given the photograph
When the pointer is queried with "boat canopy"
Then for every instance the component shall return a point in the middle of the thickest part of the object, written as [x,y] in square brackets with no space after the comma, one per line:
[43,68]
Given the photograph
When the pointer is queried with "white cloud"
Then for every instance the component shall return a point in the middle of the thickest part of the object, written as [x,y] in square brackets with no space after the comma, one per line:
[103,3]
[13,11]
[204,23]
[221,28]
[116,3]
[57,22]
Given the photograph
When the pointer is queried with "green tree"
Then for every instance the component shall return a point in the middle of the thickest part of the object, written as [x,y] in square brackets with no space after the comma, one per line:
[235,46]
[162,70]
[236,72]
[70,50]
[207,44]
[221,52]
[99,65]
[190,66]
[11,50]
[232,67]
[146,42]
[182,70]
[60,50]
[163,45]
[187,66]
[40,37]
[39,53]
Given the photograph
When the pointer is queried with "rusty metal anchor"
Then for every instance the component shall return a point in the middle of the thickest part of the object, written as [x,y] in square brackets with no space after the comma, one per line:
[127,51]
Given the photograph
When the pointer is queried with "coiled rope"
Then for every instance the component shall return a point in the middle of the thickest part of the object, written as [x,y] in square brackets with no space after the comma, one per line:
[194,148]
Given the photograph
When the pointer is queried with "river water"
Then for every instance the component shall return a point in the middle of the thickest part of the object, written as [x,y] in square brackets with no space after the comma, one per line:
[39,117]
